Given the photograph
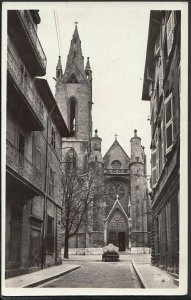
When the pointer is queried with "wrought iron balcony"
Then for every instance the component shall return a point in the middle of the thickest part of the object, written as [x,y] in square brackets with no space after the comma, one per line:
[32,99]
[116,171]
[23,31]
[21,165]
[25,18]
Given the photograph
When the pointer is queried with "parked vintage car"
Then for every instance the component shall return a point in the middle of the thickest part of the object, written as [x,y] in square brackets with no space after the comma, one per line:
[110,253]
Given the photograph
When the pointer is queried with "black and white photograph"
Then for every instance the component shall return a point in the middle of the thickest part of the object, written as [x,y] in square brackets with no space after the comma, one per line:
[94,148]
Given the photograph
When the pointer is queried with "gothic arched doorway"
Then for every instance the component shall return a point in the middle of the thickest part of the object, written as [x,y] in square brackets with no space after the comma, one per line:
[117,230]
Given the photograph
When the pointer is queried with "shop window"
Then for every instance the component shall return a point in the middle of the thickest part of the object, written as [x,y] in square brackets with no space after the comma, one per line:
[157,244]
[53,137]
[168,123]
[51,183]
[15,235]
[50,234]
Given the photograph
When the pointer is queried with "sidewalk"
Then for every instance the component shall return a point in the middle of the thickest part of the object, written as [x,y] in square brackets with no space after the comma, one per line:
[153,277]
[39,277]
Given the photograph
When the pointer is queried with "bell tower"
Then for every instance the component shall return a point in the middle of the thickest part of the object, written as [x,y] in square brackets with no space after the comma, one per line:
[74,97]
[139,197]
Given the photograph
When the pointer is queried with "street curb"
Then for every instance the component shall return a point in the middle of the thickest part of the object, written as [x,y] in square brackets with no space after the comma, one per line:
[41,281]
[143,282]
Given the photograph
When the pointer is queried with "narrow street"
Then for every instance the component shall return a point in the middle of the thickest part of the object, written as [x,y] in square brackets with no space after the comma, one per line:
[98,274]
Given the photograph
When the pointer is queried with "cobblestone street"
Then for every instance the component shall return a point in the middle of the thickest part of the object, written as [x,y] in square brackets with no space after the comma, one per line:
[98,275]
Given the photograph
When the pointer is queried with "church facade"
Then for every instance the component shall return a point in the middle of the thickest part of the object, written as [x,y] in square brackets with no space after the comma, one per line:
[125,217]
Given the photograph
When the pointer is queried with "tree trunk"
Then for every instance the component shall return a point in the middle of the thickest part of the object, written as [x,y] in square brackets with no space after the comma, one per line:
[66,245]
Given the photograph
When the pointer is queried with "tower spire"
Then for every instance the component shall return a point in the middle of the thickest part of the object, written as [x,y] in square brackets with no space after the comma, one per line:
[75,51]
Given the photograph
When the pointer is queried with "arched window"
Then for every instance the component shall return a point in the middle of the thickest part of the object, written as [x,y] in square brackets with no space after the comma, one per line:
[70,159]
[72,115]
[116,164]
[72,79]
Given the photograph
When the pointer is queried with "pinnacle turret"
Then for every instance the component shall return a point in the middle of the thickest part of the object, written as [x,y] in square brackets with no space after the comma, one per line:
[59,68]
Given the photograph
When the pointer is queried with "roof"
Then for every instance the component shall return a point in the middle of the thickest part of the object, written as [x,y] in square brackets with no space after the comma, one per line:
[116,143]
[52,106]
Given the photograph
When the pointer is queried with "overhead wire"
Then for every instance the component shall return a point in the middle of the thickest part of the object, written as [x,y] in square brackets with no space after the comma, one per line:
[59,35]
[58,41]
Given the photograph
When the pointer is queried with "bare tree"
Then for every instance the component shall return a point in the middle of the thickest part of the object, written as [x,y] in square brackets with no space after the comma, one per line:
[81,194]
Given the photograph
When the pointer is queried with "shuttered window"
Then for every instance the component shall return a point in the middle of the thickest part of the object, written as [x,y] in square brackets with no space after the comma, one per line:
[51,183]
[168,123]
[154,167]
[170,32]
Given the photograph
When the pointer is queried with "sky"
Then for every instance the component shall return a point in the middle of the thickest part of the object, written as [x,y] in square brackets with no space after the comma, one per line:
[114,36]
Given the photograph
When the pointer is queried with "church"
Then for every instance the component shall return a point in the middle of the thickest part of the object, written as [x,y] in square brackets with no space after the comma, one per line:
[125,221]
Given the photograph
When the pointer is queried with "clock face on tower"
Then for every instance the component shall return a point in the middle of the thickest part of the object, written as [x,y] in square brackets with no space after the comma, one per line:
[116,188]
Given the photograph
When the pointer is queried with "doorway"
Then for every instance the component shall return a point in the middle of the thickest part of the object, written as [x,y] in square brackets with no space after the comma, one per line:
[35,247]
[121,241]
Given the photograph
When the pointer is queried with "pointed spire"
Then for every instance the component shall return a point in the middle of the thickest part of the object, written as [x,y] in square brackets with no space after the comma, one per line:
[75,52]
[59,68]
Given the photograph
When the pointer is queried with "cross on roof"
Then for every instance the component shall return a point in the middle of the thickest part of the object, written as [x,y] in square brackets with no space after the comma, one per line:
[117,197]
[116,135]
[76,23]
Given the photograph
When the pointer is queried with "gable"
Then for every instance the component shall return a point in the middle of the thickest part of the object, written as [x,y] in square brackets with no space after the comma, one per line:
[116,158]
[74,75]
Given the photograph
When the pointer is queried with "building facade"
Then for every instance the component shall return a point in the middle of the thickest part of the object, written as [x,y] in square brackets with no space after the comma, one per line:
[35,127]
[125,218]
[162,88]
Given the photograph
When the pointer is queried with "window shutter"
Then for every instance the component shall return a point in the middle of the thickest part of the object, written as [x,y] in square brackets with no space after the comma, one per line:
[162,145]
[170,32]
[168,123]
[160,72]
[154,167]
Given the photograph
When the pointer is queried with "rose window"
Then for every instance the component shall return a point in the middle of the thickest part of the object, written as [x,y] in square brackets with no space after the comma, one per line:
[116,188]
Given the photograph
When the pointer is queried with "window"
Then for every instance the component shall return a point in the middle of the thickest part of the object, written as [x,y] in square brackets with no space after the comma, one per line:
[162,144]
[50,234]
[38,158]
[70,159]
[72,79]
[157,244]
[168,123]
[21,146]
[170,32]
[116,164]
[53,137]
[51,183]
[154,167]
[72,114]
[15,235]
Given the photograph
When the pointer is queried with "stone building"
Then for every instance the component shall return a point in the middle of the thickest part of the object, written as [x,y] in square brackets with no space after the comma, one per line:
[35,127]
[125,218]
[162,88]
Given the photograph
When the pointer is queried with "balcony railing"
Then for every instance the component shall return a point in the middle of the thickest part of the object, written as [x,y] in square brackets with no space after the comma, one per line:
[23,166]
[23,83]
[117,171]
[29,27]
